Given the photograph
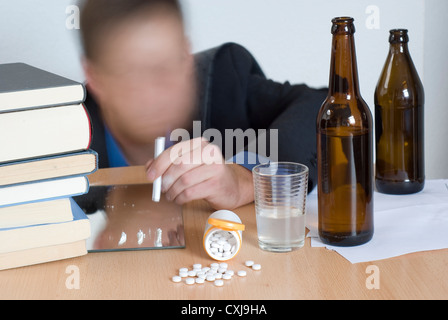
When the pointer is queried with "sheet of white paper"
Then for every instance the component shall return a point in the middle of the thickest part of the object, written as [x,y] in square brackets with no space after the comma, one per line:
[403,224]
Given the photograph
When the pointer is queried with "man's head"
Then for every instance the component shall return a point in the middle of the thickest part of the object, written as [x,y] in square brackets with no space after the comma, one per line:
[138,65]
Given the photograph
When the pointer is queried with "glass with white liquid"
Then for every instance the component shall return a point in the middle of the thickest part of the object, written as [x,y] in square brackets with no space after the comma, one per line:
[280,200]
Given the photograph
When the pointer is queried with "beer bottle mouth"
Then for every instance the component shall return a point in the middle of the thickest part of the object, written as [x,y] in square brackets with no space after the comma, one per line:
[343,20]
[398,36]
[343,25]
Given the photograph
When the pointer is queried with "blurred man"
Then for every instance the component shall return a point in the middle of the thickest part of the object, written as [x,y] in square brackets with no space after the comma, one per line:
[143,82]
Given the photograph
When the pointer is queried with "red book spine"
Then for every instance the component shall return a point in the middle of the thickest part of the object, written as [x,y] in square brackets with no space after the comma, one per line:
[90,127]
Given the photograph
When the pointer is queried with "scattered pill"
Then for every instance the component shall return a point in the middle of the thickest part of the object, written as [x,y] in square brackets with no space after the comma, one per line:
[200,280]
[256,266]
[223,265]
[219,283]
[227,276]
[192,273]
[183,274]
[216,273]
[249,263]
[241,273]
[210,278]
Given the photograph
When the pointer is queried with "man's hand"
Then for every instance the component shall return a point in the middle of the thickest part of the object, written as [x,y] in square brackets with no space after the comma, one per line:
[195,169]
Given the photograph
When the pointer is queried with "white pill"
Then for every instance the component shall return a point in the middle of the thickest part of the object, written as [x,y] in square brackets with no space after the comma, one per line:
[226,235]
[256,267]
[218,276]
[201,275]
[177,279]
[230,272]
[241,273]
[192,273]
[200,280]
[189,281]
[219,283]
[222,270]
[214,265]
[205,269]
[183,274]
[227,276]
[183,270]
[197,266]
[210,278]
[223,265]
[249,263]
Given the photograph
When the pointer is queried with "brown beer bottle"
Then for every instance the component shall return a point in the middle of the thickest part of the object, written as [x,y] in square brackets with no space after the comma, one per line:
[345,149]
[399,99]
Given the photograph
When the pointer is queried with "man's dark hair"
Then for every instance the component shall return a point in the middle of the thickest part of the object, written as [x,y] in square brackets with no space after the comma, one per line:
[100,16]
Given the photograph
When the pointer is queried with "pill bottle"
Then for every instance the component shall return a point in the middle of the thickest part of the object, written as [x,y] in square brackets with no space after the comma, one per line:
[223,235]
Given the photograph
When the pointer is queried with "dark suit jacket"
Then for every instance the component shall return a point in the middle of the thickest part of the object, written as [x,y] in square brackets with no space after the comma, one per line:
[234,93]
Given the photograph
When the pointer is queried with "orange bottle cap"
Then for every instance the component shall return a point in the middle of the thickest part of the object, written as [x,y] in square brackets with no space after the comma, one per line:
[226,224]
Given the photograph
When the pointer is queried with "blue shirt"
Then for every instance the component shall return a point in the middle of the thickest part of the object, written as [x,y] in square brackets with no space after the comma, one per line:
[116,157]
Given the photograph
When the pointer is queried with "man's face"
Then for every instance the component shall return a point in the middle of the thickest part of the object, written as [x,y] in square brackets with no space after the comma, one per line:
[143,78]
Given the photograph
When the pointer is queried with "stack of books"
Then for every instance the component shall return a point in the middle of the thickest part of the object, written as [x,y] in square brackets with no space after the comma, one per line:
[45,157]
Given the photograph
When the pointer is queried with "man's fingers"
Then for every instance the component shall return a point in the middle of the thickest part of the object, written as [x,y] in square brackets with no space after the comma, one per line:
[171,156]
[176,170]
[190,179]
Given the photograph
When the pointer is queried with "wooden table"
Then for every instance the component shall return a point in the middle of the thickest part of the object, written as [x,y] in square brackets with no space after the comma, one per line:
[308,273]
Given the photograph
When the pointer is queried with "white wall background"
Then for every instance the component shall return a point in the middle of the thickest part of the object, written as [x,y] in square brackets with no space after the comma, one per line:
[290,38]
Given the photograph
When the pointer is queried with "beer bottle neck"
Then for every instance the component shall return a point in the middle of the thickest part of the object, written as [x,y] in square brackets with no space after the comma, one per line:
[398,40]
[344,71]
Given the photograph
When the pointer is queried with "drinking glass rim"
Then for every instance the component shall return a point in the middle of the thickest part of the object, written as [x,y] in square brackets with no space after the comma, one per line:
[305,171]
